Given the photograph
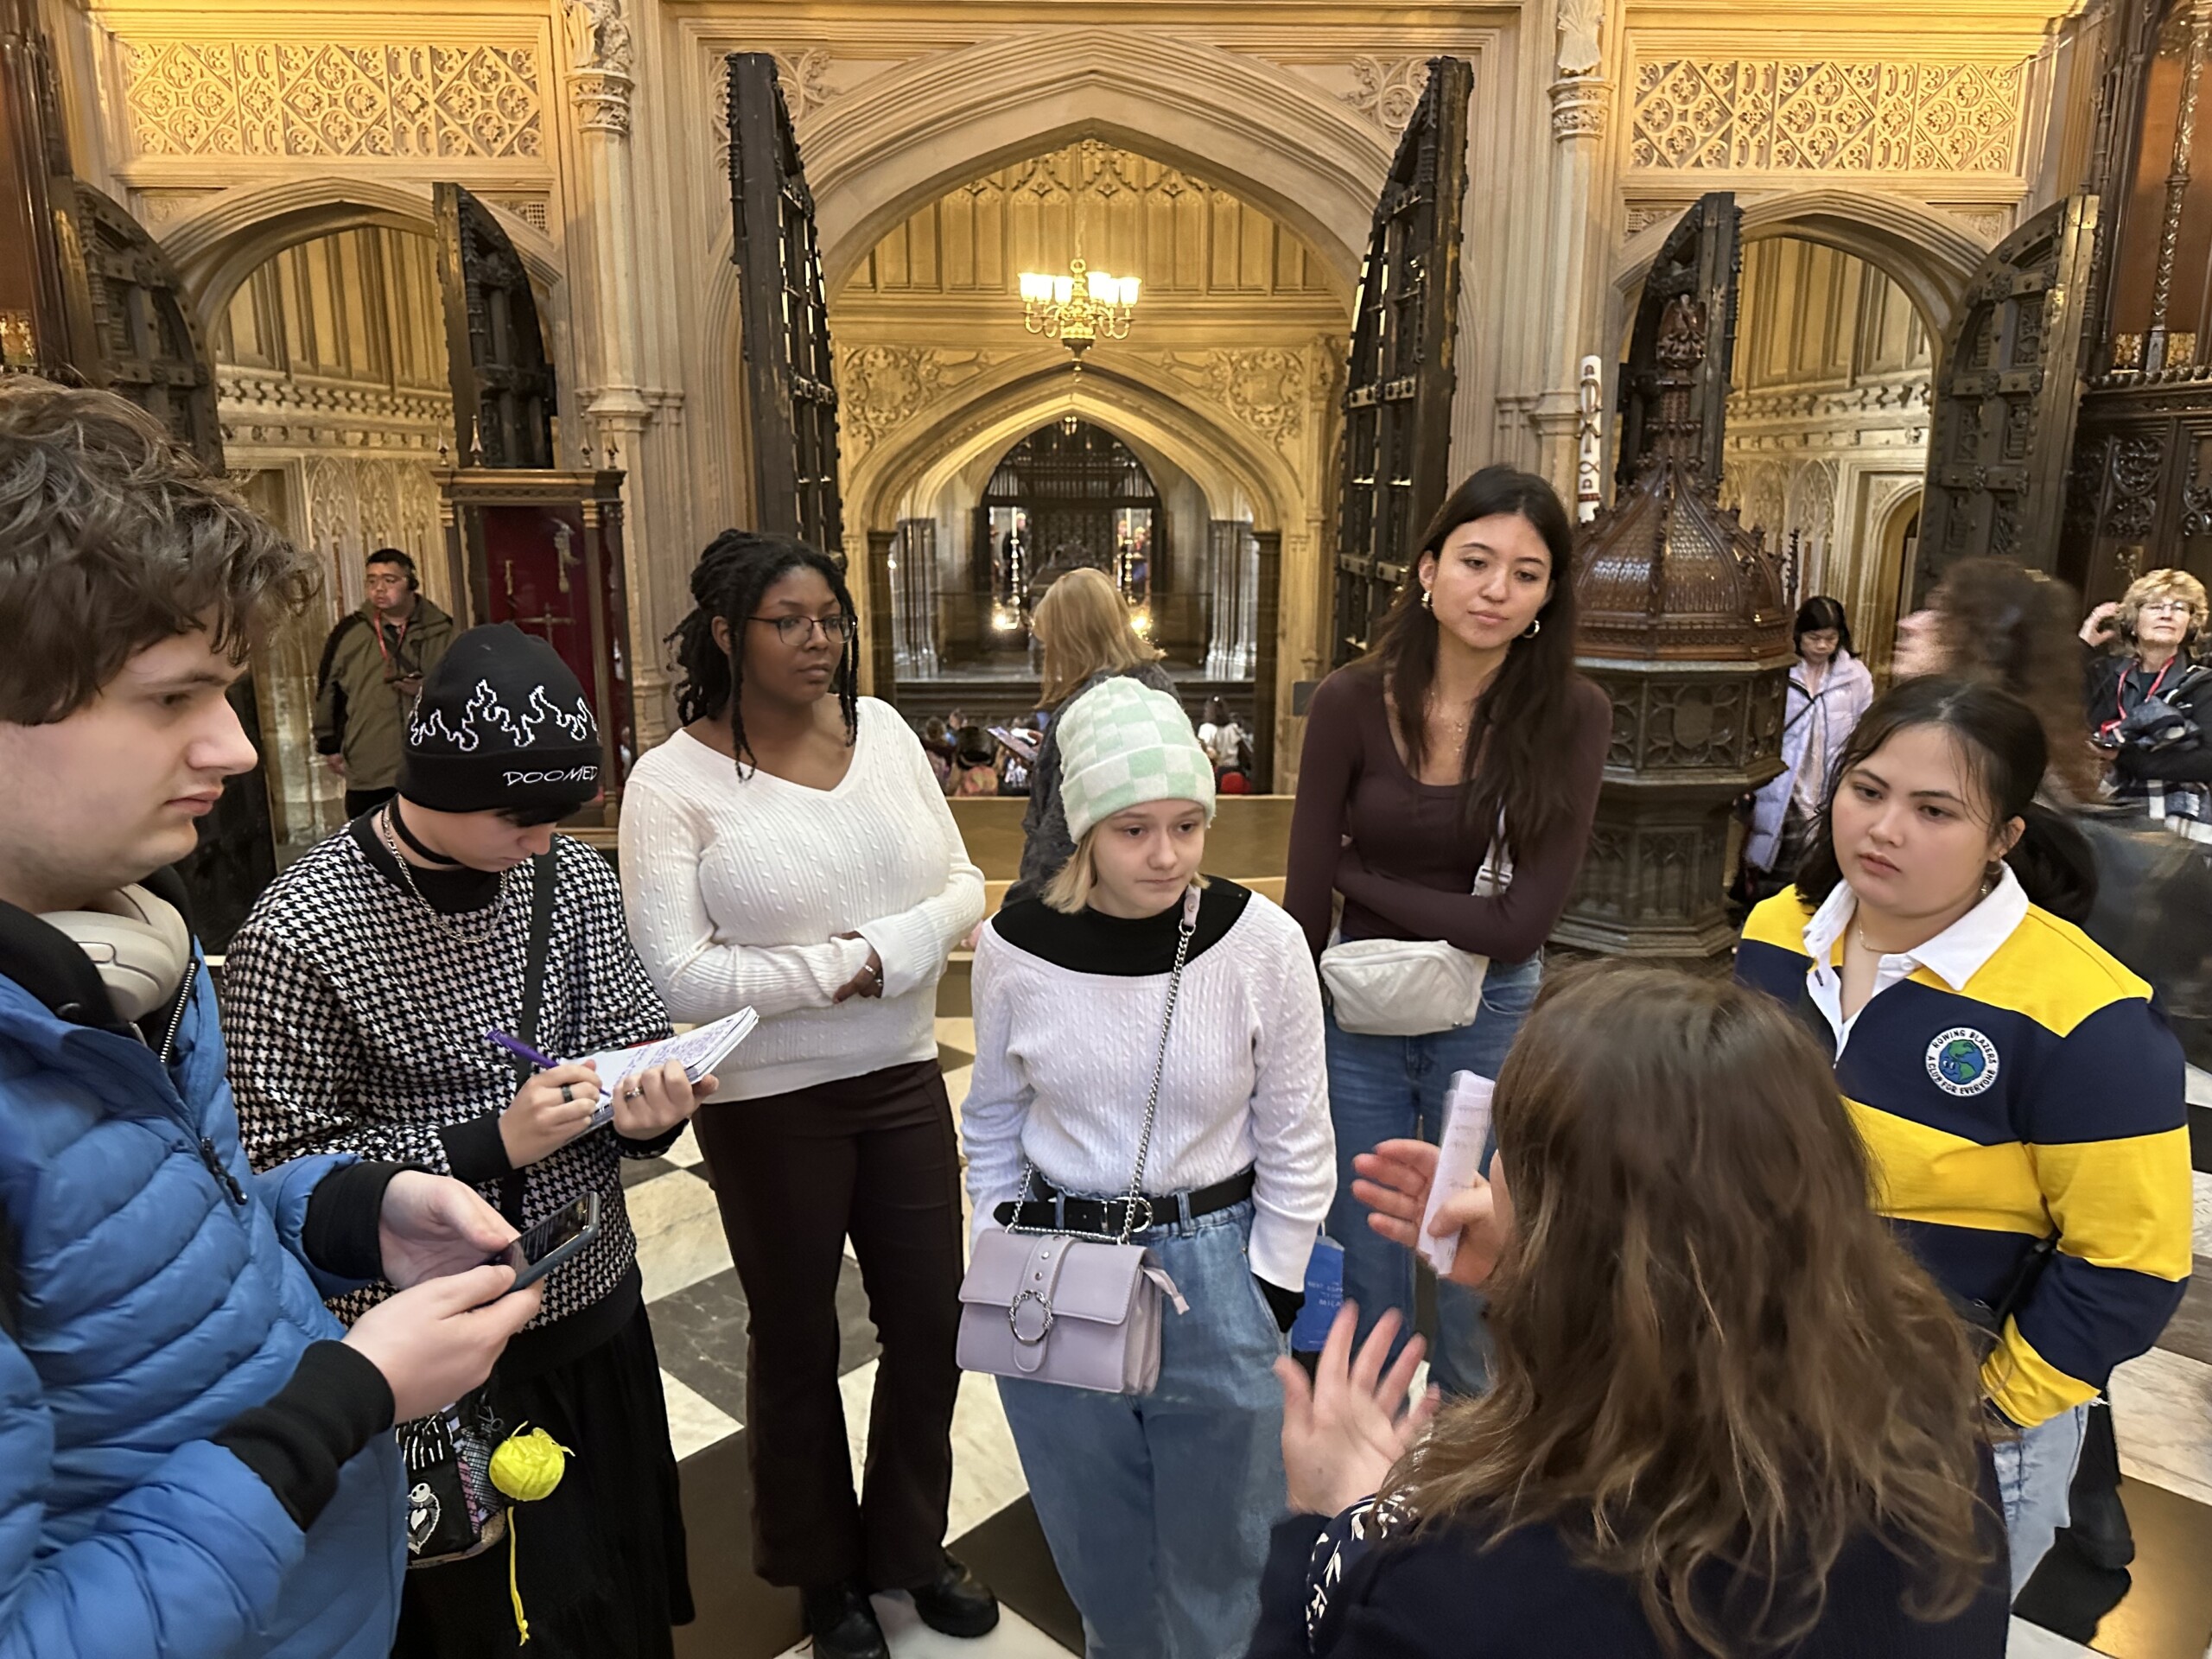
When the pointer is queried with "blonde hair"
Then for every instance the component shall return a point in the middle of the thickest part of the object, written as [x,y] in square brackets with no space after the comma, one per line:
[1069,889]
[2162,584]
[1083,627]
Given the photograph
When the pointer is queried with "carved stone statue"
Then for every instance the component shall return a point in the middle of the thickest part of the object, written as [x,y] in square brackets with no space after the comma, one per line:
[1580,24]
[600,36]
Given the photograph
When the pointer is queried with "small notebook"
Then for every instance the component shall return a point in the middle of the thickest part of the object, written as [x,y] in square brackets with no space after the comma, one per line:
[698,1051]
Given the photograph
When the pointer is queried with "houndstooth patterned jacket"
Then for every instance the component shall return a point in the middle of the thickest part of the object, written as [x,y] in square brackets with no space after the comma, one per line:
[355,1023]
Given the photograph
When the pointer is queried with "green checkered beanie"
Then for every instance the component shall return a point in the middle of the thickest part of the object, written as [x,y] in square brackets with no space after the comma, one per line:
[1122,744]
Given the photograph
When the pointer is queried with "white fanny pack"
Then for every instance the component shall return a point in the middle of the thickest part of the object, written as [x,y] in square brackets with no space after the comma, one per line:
[1410,987]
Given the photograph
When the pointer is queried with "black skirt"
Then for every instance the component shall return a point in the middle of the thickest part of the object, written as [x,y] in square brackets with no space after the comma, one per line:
[601,1562]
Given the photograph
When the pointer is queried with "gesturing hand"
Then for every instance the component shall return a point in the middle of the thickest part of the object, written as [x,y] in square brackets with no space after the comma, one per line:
[548,1112]
[1393,1182]
[654,1101]
[435,1341]
[1343,1433]
[2098,626]
[433,1225]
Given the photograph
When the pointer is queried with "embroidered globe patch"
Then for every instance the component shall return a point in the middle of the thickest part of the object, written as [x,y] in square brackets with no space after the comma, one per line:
[1961,1061]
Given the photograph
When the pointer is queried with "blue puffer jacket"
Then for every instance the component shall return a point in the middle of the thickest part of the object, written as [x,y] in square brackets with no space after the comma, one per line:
[154,1306]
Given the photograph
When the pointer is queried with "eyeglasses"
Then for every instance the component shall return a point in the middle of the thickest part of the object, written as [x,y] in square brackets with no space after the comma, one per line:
[2168,607]
[798,630]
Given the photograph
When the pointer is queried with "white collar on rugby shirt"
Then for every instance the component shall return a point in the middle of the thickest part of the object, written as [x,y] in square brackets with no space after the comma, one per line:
[1954,955]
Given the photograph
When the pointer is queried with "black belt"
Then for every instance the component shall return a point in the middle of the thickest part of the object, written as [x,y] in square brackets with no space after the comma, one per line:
[1052,1211]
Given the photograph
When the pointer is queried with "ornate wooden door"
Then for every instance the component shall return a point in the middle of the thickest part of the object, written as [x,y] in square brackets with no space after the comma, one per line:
[503,386]
[1397,438]
[2008,387]
[790,381]
[1686,321]
[131,333]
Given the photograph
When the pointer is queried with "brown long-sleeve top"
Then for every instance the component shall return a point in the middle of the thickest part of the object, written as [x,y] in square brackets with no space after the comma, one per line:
[1410,866]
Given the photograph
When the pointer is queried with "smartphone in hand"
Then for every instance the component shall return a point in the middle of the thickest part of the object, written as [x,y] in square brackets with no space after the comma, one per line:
[552,1240]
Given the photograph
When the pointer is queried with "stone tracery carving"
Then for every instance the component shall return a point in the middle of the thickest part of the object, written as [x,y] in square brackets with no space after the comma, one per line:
[1265,389]
[1388,90]
[805,78]
[217,98]
[882,387]
[1827,115]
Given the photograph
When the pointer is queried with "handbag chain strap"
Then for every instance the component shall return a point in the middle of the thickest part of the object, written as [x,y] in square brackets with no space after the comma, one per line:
[1185,929]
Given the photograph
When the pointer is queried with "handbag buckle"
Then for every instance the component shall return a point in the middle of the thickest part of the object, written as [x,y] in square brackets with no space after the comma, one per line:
[1013,1315]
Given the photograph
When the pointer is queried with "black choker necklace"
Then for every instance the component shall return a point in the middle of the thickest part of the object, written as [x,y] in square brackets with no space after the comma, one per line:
[392,817]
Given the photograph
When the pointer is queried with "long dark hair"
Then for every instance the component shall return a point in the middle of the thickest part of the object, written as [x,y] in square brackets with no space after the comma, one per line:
[1818,613]
[2002,742]
[738,567]
[1521,724]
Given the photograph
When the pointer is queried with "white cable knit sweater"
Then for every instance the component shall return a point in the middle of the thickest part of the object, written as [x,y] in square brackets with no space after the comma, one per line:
[737,887]
[1064,1060]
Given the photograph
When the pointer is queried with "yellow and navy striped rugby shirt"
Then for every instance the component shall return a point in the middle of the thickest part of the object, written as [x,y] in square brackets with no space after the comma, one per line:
[2041,1093]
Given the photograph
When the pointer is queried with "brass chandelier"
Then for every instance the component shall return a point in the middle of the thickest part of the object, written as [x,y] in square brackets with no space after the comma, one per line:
[1075,309]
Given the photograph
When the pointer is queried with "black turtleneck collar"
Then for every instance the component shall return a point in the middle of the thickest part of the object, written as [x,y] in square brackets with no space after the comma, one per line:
[452,891]
[1090,942]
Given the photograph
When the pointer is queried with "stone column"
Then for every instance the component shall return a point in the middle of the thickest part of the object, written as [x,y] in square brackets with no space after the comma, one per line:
[600,81]
[1581,99]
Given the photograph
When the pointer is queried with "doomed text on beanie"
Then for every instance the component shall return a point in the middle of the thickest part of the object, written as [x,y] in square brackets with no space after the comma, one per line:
[501,726]
[1122,744]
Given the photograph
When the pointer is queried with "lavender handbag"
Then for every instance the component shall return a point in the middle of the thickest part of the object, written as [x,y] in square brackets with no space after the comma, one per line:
[1078,1309]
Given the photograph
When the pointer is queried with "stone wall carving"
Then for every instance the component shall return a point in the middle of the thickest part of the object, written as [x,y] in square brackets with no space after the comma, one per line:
[1827,115]
[1387,90]
[260,407]
[1265,389]
[881,388]
[803,74]
[217,98]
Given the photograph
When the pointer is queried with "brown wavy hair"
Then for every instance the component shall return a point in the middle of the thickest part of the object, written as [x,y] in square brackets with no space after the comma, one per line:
[114,537]
[1715,1367]
[2001,624]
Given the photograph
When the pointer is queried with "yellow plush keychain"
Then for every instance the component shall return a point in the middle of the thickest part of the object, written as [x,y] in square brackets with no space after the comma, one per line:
[526,1466]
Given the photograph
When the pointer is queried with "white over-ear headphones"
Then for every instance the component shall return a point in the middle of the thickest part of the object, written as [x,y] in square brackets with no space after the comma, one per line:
[139,944]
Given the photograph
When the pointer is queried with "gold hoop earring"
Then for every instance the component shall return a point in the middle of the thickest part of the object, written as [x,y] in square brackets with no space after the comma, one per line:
[1534,628]
[1427,600]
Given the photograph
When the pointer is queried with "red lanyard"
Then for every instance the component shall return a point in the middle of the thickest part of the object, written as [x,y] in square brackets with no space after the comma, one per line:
[399,643]
[2120,698]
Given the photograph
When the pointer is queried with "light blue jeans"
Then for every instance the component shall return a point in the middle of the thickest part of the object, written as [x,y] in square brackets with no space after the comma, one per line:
[1158,1507]
[2034,1473]
[1392,1089]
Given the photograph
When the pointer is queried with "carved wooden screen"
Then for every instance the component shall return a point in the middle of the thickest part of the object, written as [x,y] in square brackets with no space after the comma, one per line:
[503,387]
[2007,395]
[790,380]
[131,333]
[139,330]
[1691,288]
[1397,435]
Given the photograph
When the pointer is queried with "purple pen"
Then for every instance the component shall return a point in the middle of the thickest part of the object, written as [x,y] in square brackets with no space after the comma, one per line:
[520,1049]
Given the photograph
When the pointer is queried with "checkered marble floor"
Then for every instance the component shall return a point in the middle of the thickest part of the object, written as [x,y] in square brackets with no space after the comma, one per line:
[2163,1409]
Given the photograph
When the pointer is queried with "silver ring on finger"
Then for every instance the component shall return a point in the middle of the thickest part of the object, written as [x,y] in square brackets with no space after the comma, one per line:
[568,1092]
[631,1094]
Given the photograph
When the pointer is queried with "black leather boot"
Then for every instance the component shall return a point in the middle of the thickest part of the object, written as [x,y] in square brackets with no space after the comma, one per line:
[2099,1530]
[957,1602]
[842,1623]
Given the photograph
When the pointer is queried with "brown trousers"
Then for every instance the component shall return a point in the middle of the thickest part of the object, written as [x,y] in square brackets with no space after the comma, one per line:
[874,1158]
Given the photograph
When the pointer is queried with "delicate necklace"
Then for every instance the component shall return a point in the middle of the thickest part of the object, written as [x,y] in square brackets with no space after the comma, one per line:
[1988,887]
[487,930]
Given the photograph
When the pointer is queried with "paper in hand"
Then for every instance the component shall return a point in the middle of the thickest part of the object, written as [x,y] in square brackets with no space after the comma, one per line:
[1459,1160]
[698,1051]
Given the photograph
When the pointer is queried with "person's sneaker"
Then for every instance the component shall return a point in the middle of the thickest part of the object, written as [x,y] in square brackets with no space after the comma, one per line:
[957,1602]
[2099,1530]
[842,1623]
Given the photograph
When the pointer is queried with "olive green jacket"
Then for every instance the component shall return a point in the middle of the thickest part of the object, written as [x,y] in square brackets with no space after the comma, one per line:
[371,675]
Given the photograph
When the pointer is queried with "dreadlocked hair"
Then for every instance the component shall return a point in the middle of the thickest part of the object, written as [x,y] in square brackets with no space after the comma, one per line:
[738,567]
